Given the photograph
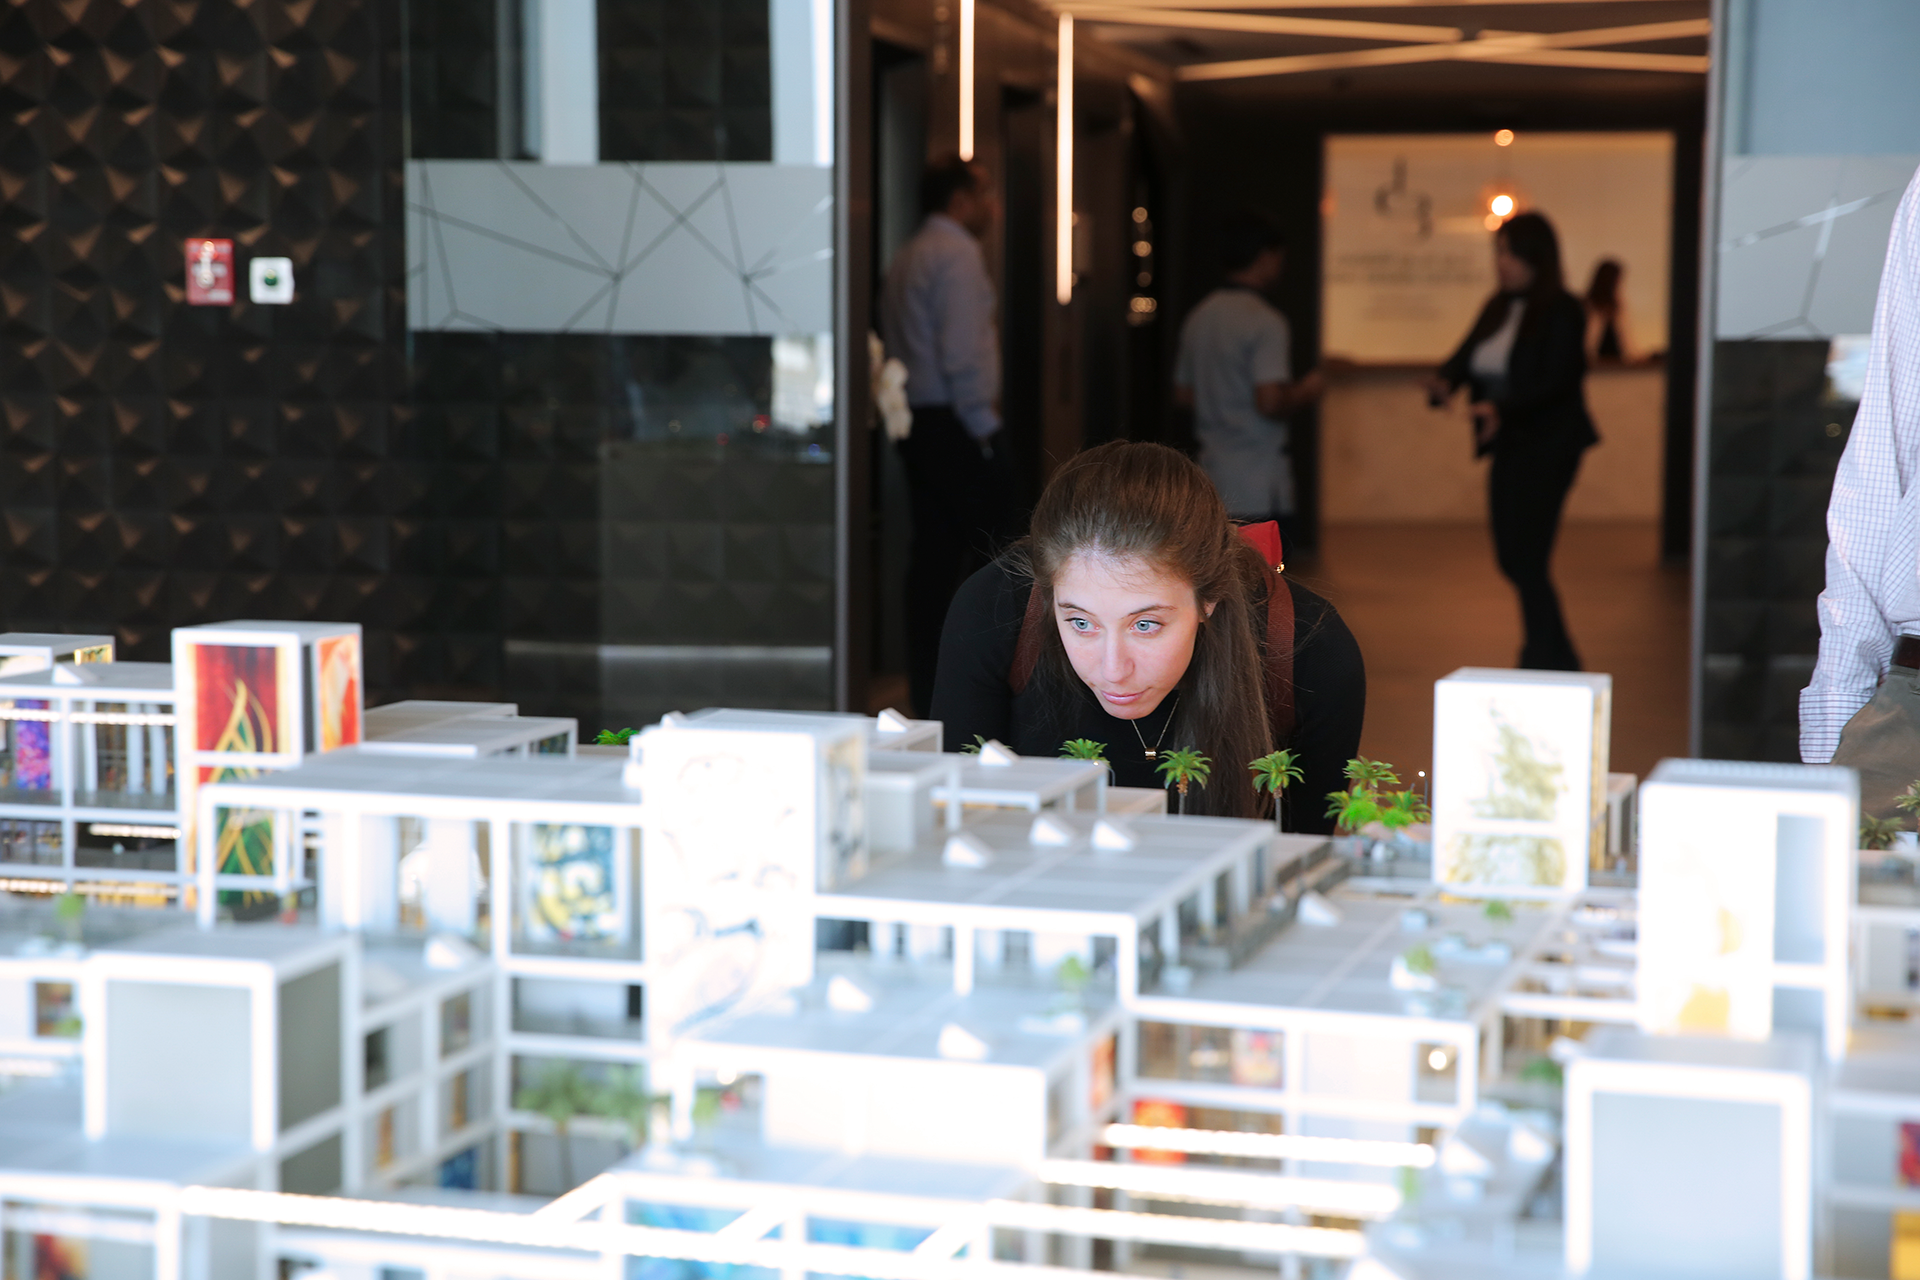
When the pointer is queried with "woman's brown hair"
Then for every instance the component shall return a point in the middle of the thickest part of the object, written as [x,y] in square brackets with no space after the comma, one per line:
[1152,502]
[1530,238]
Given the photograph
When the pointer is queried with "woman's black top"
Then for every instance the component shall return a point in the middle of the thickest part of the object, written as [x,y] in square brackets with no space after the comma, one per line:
[1609,347]
[971,695]
[1543,401]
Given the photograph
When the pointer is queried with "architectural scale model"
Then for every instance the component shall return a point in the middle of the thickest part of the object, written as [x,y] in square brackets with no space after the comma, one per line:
[289,986]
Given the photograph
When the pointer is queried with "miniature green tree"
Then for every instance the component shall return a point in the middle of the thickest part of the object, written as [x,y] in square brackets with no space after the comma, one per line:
[1359,804]
[1544,1070]
[1083,749]
[614,737]
[70,909]
[1366,800]
[1272,773]
[560,1094]
[1498,911]
[973,748]
[1401,809]
[1419,958]
[1371,774]
[1072,975]
[1184,767]
[624,1097]
[1878,833]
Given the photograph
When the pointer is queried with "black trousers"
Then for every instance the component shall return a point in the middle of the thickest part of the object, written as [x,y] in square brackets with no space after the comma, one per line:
[1526,489]
[962,496]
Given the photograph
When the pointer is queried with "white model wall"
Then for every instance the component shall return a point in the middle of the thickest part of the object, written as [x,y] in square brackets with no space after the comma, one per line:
[1683,1186]
[16,1008]
[179,1061]
[1361,1067]
[971,1113]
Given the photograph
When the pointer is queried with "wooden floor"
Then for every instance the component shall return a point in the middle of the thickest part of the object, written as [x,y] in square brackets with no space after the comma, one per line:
[1424,599]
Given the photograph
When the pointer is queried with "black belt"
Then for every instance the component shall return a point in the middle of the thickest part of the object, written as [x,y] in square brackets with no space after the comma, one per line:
[1906,652]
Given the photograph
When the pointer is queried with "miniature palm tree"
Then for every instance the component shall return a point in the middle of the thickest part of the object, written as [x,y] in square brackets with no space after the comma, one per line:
[624,1097]
[973,748]
[1401,809]
[1372,774]
[1364,801]
[560,1094]
[1352,809]
[1184,767]
[1087,749]
[614,737]
[1878,833]
[1272,773]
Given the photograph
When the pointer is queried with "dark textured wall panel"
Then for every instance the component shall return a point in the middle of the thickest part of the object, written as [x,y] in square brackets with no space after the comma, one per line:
[645,504]
[1775,441]
[681,81]
[454,78]
[493,508]
[164,464]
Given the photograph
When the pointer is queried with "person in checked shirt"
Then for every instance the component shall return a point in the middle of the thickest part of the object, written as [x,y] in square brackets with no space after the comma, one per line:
[1863,705]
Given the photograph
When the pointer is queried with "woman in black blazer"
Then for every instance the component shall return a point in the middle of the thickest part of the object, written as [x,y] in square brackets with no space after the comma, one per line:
[1524,362]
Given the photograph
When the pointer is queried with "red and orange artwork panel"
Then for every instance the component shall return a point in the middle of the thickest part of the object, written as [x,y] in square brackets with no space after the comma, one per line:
[336,661]
[1154,1113]
[238,702]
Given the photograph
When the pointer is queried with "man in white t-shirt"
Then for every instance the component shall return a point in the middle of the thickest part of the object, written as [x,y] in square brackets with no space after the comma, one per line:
[1235,372]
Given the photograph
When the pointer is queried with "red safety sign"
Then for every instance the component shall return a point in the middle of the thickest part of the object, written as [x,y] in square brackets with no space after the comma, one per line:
[210,273]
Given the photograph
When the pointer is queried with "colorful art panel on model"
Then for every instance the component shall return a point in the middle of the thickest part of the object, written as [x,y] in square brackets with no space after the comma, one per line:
[337,691]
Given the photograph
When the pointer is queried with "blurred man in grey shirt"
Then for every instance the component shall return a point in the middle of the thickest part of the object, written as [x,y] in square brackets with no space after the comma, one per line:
[937,317]
[1235,372]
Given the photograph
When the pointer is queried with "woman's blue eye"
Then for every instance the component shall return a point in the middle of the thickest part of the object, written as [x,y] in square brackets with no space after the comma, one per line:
[1079,624]
[1146,625]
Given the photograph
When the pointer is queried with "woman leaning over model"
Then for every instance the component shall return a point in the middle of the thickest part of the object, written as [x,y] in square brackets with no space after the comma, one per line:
[1136,614]
[1524,362]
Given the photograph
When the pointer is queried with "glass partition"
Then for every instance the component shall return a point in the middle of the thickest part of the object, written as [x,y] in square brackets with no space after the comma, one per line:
[124,756]
[620,256]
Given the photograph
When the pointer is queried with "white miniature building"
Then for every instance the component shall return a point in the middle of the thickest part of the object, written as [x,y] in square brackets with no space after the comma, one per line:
[1520,779]
[767,991]
[87,780]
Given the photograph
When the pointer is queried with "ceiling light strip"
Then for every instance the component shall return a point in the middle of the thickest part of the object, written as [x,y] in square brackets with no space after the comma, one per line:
[1063,175]
[1200,20]
[966,79]
[1228,5]
[1544,49]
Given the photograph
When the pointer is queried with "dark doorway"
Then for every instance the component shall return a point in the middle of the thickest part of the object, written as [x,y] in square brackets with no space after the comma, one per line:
[1026,123]
[899,155]
[1145,217]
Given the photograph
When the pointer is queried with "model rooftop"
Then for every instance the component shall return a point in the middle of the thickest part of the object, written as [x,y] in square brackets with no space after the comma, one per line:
[353,779]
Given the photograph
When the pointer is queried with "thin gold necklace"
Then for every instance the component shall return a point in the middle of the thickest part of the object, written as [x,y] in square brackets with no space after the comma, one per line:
[1153,752]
